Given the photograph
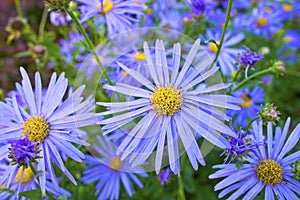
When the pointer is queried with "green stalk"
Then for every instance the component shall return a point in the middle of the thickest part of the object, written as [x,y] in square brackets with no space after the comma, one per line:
[242,83]
[229,7]
[43,22]
[89,44]
[181,195]
[19,9]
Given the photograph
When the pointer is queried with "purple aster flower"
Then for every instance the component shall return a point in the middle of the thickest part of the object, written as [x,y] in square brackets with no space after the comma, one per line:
[119,15]
[250,107]
[264,21]
[49,122]
[59,18]
[109,170]
[240,146]
[164,176]
[249,58]
[170,107]
[23,152]
[228,54]
[267,167]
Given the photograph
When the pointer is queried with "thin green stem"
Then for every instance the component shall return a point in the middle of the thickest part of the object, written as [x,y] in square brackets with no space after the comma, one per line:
[43,22]
[90,44]
[18,8]
[242,83]
[229,7]
[181,195]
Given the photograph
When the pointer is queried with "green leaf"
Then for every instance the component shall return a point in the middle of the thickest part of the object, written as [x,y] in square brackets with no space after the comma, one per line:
[62,198]
[32,194]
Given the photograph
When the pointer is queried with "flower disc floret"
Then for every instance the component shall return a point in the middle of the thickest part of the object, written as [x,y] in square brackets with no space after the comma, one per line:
[269,172]
[37,129]
[166,100]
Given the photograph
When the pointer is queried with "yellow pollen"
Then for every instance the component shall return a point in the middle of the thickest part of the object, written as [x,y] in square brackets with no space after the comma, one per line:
[247,101]
[287,7]
[139,56]
[115,163]
[166,100]
[261,22]
[37,129]
[28,175]
[269,172]
[212,47]
[107,6]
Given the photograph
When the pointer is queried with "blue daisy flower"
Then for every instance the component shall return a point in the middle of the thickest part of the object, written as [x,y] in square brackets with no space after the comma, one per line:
[29,182]
[109,170]
[119,15]
[49,121]
[264,21]
[228,55]
[268,166]
[292,39]
[250,107]
[170,107]
[135,60]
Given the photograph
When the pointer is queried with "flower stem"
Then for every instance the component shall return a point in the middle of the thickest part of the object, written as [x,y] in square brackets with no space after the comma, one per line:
[181,195]
[229,7]
[18,8]
[43,22]
[242,83]
[89,44]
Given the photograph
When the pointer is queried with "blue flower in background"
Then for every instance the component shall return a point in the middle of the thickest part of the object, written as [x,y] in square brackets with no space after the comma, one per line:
[268,166]
[119,15]
[169,108]
[109,171]
[264,21]
[59,18]
[49,121]
[292,39]
[72,49]
[250,107]
[228,54]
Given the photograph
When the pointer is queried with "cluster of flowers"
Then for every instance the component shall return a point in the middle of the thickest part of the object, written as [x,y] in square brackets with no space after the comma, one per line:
[163,100]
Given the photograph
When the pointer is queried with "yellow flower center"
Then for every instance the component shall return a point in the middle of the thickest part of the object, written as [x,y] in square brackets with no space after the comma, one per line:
[287,7]
[287,39]
[247,101]
[140,56]
[28,175]
[166,100]
[261,22]
[268,9]
[37,129]
[212,47]
[269,172]
[115,163]
[107,6]
[124,73]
